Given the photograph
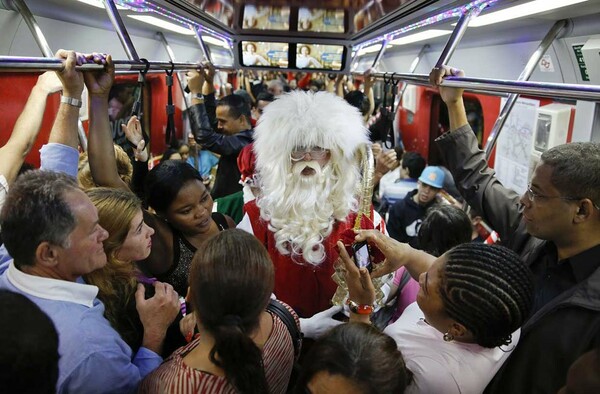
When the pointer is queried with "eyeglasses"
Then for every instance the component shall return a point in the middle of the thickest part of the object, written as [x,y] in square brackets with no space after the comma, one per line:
[316,153]
[531,195]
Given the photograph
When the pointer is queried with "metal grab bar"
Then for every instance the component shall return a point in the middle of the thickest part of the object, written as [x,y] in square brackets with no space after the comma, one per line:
[499,86]
[18,64]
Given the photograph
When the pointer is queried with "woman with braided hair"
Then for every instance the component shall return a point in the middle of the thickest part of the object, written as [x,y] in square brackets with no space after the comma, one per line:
[241,347]
[465,323]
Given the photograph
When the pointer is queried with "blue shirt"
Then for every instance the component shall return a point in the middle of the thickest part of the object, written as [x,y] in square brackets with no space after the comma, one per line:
[206,161]
[93,357]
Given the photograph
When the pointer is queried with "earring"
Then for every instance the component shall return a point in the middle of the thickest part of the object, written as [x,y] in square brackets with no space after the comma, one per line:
[448,337]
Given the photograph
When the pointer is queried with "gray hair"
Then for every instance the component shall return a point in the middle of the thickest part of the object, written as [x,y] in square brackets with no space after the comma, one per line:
[575,169]
[35,211]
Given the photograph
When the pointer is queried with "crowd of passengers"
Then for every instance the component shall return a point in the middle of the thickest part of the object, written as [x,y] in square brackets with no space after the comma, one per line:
[115,278]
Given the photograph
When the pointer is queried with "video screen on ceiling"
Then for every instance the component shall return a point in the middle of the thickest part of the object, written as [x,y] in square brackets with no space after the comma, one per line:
[266,18]
[264,54]
[324,57]
[320,20]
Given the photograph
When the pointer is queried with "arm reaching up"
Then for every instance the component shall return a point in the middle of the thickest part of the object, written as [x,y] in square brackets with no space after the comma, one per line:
[27,126]
[103,164]
[451,96]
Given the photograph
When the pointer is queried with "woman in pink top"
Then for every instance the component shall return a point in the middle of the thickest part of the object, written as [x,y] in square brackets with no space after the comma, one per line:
[241,347]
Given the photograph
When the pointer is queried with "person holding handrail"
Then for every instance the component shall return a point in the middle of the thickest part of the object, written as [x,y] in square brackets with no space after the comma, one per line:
[555,228]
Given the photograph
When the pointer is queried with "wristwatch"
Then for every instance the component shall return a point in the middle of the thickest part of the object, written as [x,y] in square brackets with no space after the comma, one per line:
[71,101]
[359,309]
[198,96]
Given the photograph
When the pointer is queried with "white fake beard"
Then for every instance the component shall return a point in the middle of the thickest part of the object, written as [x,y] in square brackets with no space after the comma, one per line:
[304,216]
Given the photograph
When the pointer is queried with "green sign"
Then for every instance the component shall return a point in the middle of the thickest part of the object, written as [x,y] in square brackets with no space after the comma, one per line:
[581,62]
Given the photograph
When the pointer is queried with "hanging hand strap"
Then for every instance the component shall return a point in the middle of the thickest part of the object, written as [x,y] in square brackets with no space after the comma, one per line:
[390,140]
[138,105]
[170,138]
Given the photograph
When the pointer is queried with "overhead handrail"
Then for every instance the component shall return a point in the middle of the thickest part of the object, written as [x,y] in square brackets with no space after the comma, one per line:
[493,86]
[42,43]
[534,60]
[17,64]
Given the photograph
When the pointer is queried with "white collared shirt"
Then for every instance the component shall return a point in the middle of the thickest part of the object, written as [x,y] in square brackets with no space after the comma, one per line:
[52,289]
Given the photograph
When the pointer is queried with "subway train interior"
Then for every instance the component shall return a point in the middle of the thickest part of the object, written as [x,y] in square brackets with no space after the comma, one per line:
[531,83]
[349,37]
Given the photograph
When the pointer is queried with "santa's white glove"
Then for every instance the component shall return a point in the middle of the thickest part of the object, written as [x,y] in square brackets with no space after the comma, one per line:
[317,325]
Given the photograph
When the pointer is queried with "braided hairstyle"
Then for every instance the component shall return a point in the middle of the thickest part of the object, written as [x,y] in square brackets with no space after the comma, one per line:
[488,289]
[231,281]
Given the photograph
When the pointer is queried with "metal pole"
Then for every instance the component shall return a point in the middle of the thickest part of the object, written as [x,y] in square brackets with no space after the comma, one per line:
[16,64]
[202,44]
[34,27]
[534,60]
[412,68]
[171,54]
[500,86]
[115,18]
[456,36]
[380,53]
[40,39]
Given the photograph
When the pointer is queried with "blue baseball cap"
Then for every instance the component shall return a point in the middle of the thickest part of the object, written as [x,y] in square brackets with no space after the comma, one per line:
[433,176]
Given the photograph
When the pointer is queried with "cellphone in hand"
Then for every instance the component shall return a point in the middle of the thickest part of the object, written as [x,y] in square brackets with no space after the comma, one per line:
[362,258]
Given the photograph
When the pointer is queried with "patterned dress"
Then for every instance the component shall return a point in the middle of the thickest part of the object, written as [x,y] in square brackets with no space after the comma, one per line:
[175,377]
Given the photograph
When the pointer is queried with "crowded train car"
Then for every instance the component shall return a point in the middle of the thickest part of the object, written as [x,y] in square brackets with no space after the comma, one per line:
[268,196]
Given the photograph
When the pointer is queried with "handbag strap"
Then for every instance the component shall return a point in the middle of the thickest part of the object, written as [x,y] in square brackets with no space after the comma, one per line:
[286,317]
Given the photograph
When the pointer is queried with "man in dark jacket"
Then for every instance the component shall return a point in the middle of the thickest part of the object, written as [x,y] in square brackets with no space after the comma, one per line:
[407,214]
[555,227]
[233,129]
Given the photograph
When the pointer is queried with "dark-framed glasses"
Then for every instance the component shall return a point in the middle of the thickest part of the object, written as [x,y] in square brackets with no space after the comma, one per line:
[532,196]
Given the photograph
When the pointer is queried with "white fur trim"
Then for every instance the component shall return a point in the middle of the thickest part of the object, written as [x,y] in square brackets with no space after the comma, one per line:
[306,119]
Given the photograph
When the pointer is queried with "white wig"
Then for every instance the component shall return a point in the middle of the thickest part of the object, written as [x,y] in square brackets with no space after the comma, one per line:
[301,119]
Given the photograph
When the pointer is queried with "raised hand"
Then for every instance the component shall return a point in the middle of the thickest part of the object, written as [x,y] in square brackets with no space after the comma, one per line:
[100,82]
[436,76]
[70,78]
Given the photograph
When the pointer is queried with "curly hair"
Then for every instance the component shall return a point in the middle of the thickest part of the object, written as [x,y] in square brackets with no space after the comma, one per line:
[488,289]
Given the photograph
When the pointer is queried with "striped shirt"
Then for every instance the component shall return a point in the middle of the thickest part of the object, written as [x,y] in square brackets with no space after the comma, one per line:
[175,377]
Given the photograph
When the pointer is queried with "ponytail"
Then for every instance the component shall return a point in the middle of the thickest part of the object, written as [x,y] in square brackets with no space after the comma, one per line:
[240,358]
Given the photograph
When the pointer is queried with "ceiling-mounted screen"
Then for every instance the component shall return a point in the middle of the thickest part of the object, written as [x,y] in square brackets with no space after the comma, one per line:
[266,18]
[318,56]
[264,54]
[321,20]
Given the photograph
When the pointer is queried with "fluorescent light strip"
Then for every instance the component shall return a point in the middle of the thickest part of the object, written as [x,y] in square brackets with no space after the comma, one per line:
[369,49]
[215,41]
[98,4]
[520,11]
[424,35]
[152,20]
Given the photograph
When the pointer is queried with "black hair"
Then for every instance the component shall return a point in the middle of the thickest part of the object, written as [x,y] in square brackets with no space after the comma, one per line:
[265,96]
[415,163]
[29,347]
[575,169]
[487,289]
[164,182]
[358,100]
[35,210]
[360,353]
[238,106]
[167,154]
[231,281]
[444,227]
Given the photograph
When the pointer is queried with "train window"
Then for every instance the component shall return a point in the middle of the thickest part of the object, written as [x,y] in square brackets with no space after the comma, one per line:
[321,20]
[264,54]
[266,18]
[317,56]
